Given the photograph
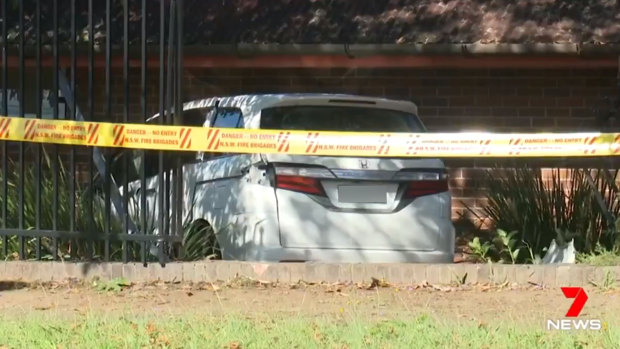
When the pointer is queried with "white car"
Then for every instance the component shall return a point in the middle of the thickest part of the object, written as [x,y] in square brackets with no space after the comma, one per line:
[285,208]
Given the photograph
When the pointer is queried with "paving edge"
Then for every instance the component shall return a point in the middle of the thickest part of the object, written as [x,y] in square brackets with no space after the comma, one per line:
[547,275]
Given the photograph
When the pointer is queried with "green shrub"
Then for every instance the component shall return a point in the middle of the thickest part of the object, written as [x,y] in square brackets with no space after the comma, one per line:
[198,238]
[600,257]
[538,210]
[88,209]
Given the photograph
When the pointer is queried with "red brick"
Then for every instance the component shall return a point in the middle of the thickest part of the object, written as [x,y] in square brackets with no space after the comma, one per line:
[464,202]
[434,101]
[456,174]
[570,102]
[535,112]
[274,80]
[484,101]
[530,91]
[503,91]
[600,82]
[477,111]
[582,113]
[534,82]
[448,91]
[460,101]
[543,123]
[575,124]
[542,102]
[501,112]
[427,111]
[558,112]
[517,101]
[450,111]
[397,92]
[518,122]
[481,202]
[557,92]
[581,91]
[476,91]
[423,91]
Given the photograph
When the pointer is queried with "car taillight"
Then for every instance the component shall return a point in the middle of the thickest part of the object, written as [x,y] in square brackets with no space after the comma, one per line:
[301,184]
[425,187]
[302,179]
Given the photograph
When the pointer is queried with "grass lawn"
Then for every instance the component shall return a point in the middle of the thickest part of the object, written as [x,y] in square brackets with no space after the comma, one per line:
[344,330]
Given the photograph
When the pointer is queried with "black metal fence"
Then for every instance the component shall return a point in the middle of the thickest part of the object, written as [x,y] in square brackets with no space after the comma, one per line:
[60,60]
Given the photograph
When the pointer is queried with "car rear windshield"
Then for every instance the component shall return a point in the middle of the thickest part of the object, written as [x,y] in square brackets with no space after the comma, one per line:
[328,118]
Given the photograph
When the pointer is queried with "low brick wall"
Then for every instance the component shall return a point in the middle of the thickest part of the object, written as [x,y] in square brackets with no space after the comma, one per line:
[544,275]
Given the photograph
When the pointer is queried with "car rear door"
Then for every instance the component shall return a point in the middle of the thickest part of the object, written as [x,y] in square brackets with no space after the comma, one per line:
[356,203]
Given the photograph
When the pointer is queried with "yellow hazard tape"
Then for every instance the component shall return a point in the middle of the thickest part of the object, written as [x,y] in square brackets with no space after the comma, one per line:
[155,137]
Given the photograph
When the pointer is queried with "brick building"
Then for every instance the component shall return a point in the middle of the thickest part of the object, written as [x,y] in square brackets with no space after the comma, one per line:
[519,66]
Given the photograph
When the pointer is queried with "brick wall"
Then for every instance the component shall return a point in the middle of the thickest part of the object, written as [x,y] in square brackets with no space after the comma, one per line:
[500,100]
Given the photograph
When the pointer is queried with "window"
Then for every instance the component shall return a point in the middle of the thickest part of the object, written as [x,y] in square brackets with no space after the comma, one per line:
[337,118]
[228,118]
[225,118]
[195,117]
[191,117]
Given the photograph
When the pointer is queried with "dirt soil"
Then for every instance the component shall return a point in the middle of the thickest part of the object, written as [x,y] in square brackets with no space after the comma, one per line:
[482,303]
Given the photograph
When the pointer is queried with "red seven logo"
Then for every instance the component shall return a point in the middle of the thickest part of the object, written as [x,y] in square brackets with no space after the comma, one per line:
[580,300]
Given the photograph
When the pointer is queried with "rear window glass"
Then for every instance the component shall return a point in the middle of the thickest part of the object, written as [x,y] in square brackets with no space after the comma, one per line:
[327,118]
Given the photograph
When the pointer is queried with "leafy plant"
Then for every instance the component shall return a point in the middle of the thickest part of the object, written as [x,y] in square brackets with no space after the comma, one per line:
[114,285]
[480,250]
[88,208]
[200,241]
[540,210]
[534,258]
[508,244]
[608,282]
[460,280]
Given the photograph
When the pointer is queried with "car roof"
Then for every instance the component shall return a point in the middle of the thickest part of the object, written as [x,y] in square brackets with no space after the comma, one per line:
[249,102]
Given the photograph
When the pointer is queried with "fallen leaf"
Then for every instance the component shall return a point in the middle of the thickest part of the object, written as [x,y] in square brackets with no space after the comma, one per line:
[377,283]
[162,339]
[150,328]
[44,307]
[318,336]
[424,284]
[233,345]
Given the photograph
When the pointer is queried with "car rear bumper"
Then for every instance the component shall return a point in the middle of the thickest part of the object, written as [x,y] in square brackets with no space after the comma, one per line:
[269,250]
[260,241]
[360,256]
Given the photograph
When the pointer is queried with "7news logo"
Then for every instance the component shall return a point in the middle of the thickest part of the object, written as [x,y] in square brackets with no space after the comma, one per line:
[580,296]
